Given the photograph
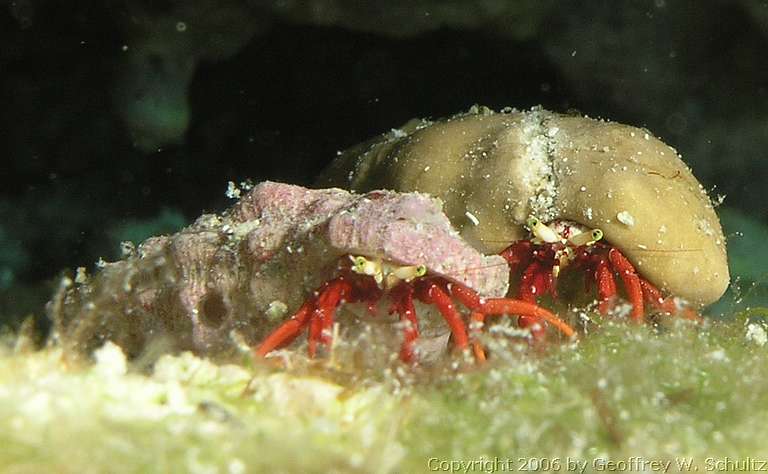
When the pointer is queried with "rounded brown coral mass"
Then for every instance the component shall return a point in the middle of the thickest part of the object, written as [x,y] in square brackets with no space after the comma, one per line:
[493,170]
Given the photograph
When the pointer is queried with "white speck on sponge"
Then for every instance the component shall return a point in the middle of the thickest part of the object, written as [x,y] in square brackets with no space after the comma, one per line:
[626,218]
[472,218]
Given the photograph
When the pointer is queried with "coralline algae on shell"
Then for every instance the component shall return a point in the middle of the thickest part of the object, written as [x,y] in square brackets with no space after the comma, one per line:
[219,281]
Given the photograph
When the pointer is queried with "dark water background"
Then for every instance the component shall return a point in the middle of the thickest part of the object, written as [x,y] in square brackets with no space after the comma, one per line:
[124,119]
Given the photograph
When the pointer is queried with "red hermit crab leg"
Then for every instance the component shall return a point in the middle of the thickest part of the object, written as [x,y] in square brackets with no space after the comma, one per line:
[511,306]
[606,260]
[654,298]
[536,281]
[402,303]
[631,281]
[335,292]
[470,299]
[482,307]
[318,312]
[667,305]
[429,291]
[606,285]
[501,306]
[287,332]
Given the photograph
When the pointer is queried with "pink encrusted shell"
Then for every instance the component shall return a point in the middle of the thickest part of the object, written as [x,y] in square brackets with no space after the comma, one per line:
[404,228]
[277,244]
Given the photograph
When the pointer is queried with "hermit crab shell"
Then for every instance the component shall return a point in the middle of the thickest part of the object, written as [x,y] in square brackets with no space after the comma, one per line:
[493,170]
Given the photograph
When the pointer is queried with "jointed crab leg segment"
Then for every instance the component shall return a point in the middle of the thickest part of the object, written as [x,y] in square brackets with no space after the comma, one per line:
[510,306]
[287,332]
[536,281]
[467,296]
[531,284]
[500,306]
[631,282]
[477,321]
[330,297]
[653,297]
[402,303]
[481,307]
[606,285]
[429,291]
[318,312]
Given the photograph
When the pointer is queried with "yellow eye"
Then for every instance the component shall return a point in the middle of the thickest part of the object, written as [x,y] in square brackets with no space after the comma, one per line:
[421,270]
[360,263]
[597,234]
[532,222]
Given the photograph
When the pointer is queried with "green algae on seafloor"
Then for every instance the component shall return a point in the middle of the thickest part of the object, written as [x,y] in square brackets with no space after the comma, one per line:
[622,391]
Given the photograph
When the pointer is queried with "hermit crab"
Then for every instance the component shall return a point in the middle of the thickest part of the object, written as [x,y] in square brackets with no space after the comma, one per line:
[605,198]
[233,279]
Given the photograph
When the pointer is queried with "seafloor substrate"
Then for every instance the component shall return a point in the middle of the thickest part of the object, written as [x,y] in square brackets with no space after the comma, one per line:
[685,391]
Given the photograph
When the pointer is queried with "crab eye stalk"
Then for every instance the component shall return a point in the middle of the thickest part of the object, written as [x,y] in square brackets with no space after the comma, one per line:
[363,266]
[408,273]
[586,238]
[421,270]
[542,231]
